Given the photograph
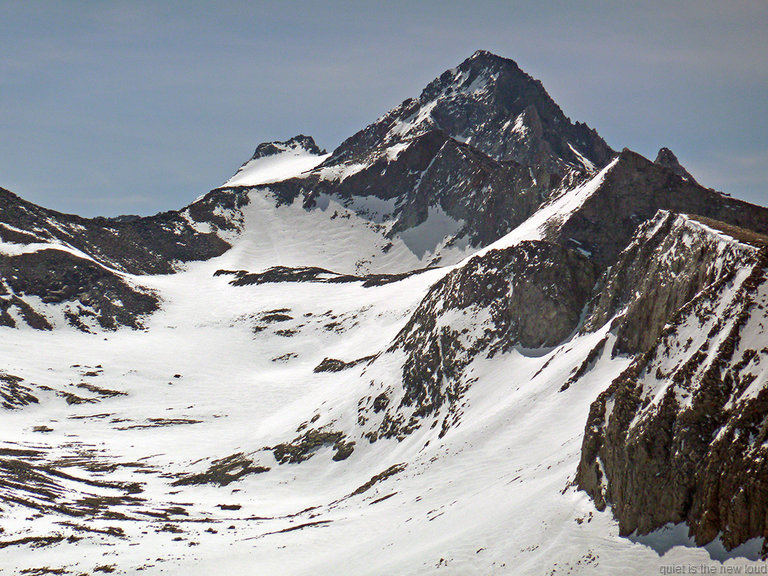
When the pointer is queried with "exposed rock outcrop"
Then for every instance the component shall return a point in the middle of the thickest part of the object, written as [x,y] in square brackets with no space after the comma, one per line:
[14,394]
[670,260]
[631,193]
[484,307]
[667,158]
[680,436]
[301,141]
[91,294]
[149,245]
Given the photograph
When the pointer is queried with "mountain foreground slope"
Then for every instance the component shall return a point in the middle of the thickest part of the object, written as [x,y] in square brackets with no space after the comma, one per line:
[472,339]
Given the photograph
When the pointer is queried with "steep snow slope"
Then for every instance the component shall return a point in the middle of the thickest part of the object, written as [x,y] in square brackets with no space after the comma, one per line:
[357,231]
[278,161]
[344,235]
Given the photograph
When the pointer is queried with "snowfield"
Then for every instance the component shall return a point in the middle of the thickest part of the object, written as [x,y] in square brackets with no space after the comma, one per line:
[290,162]
[155,451]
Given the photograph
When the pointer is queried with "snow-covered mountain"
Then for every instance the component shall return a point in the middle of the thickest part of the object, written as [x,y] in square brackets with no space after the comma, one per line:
[472,339]
[276,161]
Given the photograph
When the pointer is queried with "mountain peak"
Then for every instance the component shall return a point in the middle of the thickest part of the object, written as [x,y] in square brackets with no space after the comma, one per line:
[278,160]
[667,158]
[483,54]
[490,104]
[299,142]
[482,70]
[489,58]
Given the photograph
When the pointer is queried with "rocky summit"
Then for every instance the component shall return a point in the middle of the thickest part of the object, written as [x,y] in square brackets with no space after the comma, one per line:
[473,339]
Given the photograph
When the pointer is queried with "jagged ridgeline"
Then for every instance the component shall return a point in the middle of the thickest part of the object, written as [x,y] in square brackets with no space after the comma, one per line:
[473,295]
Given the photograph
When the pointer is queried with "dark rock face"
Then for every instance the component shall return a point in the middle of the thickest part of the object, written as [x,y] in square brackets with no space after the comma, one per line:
[485,306]
[278,274]
[11,303]
[223,471]
[667,158]
[58,277]
[222,210]
[671,259]
[14,394]
[631,193]
[388,178]
[481,308]
[148,245]
[488,197]
[305,446]
[297,142]
[680,435]
[489,103]
[92,285]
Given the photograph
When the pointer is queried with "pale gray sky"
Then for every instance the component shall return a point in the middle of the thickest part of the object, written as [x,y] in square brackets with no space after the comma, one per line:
[137,107]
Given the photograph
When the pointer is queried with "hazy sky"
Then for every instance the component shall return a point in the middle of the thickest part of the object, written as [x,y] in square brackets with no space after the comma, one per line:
[137,107]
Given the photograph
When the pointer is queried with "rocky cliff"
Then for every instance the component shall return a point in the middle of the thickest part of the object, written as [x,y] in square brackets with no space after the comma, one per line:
[484,308]
[679,436]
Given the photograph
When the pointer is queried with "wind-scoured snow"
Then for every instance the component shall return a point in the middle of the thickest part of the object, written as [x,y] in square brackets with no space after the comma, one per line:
[352,232]
[340,172]
[416,121]
[517,126]
[291,162]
